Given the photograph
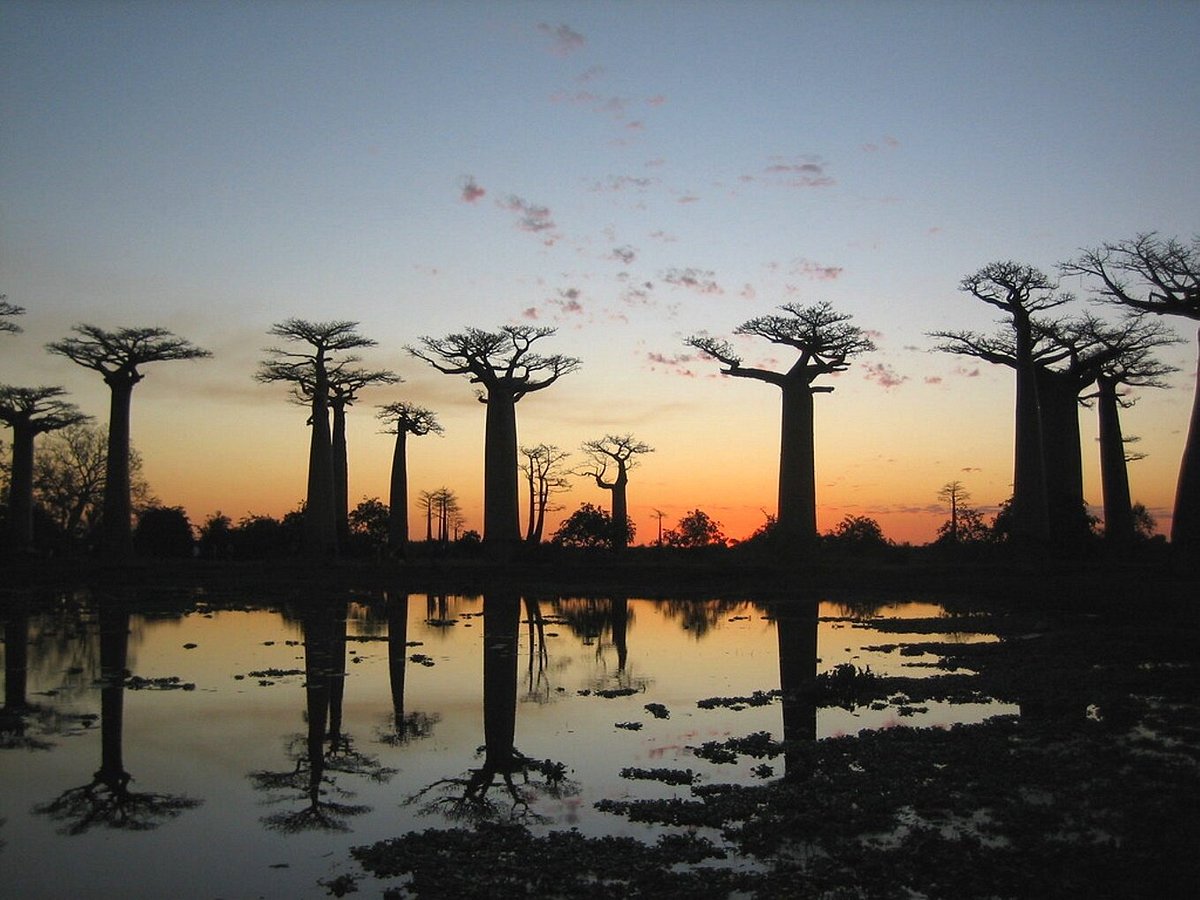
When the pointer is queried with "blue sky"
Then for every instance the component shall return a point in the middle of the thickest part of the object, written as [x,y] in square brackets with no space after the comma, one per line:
[630,173]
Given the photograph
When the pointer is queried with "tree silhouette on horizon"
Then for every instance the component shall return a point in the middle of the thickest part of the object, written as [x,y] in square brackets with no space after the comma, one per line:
[545,474]
[30,412]
[309,371]
[621,451]
[825,341]
[116,355]
[7,311]
[405,419]
[505,366]
[1153,275]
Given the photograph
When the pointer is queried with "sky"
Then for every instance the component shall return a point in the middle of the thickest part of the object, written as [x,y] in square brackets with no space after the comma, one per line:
[629,174]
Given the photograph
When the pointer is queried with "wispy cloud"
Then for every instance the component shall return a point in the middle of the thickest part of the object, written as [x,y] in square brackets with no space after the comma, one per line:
[624,254]
[933,379]
[801,172]
[471,191]
[965,372]
[530,217]
[677,364]
[564,40]
[885,376]
[618,183]
[888,143]
[702,281]
[815,271]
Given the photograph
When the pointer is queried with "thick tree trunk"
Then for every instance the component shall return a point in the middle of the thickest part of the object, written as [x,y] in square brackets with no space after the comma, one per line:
[1063,455]
[398,496]
[320,530]
[114,651]
[1185,525]
[501,618]
[1114,474]
[20,489]
[543,502]
[1031,520]
[796,629]
[620,510]
[501,507]
[397,616]
[316,624]
[341,476]
[116,533]
[797,522]
[532,507]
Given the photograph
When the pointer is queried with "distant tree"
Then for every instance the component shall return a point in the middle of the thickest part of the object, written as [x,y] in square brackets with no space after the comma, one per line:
[858,533]
[30,412]
[1153,275]
[116,355]
[1144,526]
[442,509]
[587,527]
[825,341]
[163,531]
[971,529]
[69,478]
[7,311]
[265,537]
[695,529]
[216,537]
[545,475]
[503,363]
[369,524]
[344,386]
[618,451]
[309,372]
[1022,291]
[954,494]
[402,420]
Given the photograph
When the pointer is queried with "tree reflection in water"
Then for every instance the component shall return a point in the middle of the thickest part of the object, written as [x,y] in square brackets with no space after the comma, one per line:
[796,627]
[400,727]
[592,619]
[469,797]
[107,800]
[325,751]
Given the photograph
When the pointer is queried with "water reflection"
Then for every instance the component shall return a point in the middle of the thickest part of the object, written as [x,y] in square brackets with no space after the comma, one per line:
[326,750]
[107,801]
[796,628]
[401,727]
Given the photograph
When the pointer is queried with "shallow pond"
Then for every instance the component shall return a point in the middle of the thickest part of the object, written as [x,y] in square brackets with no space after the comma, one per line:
[204,747]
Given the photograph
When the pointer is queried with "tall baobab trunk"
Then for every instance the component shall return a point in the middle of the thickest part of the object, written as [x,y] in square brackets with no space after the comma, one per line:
[1062,451]
[116,533]
[341,476]
[114,649]
[620,510]
[501,617]
[20,489]
[1031,521]
[398,496]
[1114,474]
[796,629]
[1185,525]
[797,522]
[397,618]
[320,532]
[501,506]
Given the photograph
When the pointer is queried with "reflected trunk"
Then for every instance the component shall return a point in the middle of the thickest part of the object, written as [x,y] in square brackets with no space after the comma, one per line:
[796,627]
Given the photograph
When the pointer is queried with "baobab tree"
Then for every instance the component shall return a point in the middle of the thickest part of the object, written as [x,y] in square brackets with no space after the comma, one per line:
[618,451]
[344,385]
[1022,291]
[505,366]
[1150,274]
[7,311]
[402,420]
[30,412]
[825,341]
[545,474]
[116,355]
[309,371]
[1129,364]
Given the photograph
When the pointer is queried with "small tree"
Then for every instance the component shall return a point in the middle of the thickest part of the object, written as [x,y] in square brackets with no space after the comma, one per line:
[545,474]
[117,355]
[403,419]
[164,532]
[858,533]
[216,537]
[588,527]
[618,451]
[696,529]
[954,494]
[369,524]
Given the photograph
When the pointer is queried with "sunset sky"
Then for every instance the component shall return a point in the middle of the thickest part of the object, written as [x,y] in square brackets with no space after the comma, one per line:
[631,174]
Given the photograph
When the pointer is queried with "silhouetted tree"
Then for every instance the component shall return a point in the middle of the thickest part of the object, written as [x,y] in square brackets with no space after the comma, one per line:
[825,342]
[695,529]
[309,372]
[545,474]
[1022,291]
[1130,364]
[69,478]
[344,385]
[619,451]
[7,311]
[587,527]
[404,419]
[858,533]
[216,536]
[953,493]
[503,363]
[163,531]
[441,506]
[30,412]
[369,524]
[116,355]
[401,727]
[1154,275]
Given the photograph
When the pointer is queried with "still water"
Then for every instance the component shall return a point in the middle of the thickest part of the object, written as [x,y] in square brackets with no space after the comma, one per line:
[223,747]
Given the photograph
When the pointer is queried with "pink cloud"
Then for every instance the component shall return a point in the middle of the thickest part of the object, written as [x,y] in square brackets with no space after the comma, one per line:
[748,292]
[470,190]
[564,40]
[933,379]
[701,281]
[885,376]
[966,373]
[656,100]
[815,271]
[804,171]
[531,217]
[530,312]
